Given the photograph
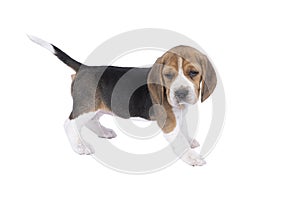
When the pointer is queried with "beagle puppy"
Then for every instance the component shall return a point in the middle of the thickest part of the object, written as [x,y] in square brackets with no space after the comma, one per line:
[162,93]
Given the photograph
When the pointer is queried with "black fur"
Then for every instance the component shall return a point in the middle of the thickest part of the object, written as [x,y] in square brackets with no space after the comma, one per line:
[67,59]
[124,90]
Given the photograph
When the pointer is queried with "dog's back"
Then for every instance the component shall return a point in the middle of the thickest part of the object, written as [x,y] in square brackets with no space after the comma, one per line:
[122,91]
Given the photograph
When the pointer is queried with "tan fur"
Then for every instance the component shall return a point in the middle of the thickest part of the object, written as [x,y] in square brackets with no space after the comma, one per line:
[100,105]
[73,76]
[200,61]
[159,87]
[103,107]
[187,67]
[164,115]
[170,122]
[168,63]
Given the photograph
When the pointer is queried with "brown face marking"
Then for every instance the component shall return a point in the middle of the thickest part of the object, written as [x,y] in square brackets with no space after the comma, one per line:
[188,70]
[163,72]
[170,71]
[208,76]
[192,61]
[171,68]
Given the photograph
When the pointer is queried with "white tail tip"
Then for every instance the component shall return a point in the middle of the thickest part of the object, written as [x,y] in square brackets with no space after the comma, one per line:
[41,42]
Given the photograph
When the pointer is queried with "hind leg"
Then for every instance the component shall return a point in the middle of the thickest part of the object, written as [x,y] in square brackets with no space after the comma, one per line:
[94,125]
[73,128]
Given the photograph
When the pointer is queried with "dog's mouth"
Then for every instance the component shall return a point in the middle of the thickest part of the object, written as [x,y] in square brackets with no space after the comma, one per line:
[185,102]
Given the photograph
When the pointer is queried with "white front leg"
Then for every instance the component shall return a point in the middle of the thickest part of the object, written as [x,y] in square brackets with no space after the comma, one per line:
[190,138]
[182,149]
[181,145]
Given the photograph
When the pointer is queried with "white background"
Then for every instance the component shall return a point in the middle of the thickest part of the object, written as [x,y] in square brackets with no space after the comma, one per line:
[255,46]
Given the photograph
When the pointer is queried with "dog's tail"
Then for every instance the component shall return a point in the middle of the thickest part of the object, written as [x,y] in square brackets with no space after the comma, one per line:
[57,52]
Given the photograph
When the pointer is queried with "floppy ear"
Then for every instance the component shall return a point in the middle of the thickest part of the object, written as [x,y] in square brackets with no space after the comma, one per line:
[155,82]
[209,78]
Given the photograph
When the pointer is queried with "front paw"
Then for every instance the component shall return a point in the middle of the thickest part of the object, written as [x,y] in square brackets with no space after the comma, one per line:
[193,158]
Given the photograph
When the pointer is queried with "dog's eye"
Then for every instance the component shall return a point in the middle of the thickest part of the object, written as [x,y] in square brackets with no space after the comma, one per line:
[192,74]
[169,75]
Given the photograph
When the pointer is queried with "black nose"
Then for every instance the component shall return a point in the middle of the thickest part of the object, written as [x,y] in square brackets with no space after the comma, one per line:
[181,94]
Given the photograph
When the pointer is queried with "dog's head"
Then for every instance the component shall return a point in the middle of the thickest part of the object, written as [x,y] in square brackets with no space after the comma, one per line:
[180,75]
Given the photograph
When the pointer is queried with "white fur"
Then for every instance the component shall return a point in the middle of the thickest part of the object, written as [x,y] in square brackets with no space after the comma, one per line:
[180,144]
[77,143]
[91,121]
[182,81]
[94,125]
[42,43]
